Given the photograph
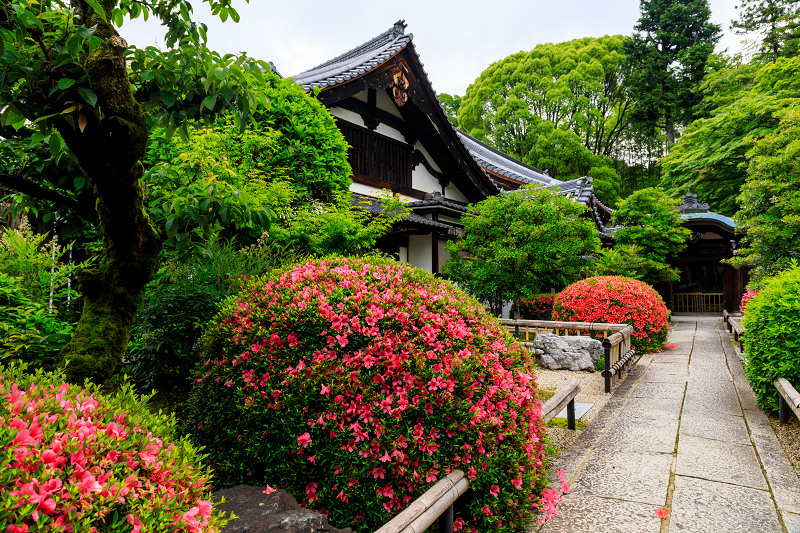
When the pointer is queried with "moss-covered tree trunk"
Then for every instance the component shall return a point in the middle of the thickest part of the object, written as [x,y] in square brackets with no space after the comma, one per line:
[109,142]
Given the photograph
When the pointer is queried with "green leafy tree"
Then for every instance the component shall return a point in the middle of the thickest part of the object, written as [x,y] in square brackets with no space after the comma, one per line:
[561,107]
[626,260]
[777,23]
[650,221]
[668,56]
[518,244]
[74,89]
[770,203]
[451,104]
[711,157]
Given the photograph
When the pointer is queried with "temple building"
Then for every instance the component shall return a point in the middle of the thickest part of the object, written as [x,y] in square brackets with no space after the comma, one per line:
[402,141]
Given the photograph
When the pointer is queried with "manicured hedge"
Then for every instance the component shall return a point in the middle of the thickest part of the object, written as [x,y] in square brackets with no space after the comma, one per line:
[617,300]
[358,384]
[77,460]
[772,336]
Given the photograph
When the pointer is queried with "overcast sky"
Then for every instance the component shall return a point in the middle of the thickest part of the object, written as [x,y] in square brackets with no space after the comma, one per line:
[456,40]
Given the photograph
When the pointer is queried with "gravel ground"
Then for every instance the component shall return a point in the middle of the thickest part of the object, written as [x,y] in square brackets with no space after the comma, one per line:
[592,386]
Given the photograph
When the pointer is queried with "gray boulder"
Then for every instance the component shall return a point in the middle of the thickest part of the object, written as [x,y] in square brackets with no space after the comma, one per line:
[257,512]
[569,352]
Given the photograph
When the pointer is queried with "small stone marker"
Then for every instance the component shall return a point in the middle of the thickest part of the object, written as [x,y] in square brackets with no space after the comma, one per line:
[567,352]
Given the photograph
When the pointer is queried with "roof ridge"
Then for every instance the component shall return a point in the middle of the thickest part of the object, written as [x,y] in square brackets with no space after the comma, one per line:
[397,30]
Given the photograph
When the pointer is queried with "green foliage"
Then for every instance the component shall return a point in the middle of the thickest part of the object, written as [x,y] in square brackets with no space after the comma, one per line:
[770,203]
[561,107]
[776,21]
[650,221]
[355,384]
[77,458]
[711,157]
[668,56]
[451,104]
[518,244]
[179,302]
[772,336]
[626,260]
[33,287]
[600,364]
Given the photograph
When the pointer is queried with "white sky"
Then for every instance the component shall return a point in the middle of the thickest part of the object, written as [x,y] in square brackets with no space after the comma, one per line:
[456,40]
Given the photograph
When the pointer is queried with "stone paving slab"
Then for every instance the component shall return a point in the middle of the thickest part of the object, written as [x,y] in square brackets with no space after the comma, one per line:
[659,390]
[610,475]
[720,427]
[782,478]
[792,522]
[715,460]
[589,514]
[653,435]
[702,506]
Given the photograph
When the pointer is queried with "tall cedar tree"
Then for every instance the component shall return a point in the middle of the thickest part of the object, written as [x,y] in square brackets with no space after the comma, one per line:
[668,56]
[73,85]
[776,20]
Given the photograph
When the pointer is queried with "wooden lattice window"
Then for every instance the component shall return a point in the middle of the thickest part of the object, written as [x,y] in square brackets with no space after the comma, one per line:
[378,157]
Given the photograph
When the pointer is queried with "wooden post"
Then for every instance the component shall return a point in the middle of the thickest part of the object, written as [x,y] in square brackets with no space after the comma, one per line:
[571,414]
[783,410]
[607,363]
[446,521]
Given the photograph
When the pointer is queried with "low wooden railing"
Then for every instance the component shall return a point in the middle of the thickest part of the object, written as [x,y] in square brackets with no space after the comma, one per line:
[697,302]
[788,398]
[735,327]
[437,502]
[618,351]
[565,396]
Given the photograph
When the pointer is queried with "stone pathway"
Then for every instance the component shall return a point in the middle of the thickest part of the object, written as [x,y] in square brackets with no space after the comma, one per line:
[682,431]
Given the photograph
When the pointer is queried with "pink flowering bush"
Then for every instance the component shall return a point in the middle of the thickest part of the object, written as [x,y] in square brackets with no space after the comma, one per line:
[356,385]
[746,298]
[74,460]
[617,300]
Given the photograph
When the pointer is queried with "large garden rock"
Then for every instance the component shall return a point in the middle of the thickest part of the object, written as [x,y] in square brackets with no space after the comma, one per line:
[257,512]
[569,352]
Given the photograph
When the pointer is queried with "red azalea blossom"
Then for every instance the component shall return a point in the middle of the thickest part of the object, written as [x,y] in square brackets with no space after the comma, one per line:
[662,513]
[617,300]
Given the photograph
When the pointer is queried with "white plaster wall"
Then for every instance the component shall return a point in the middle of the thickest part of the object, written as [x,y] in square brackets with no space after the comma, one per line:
[382,101]
[419,251]
[422,180]
[392,133]
[454,194]
[422,149]
[347,115]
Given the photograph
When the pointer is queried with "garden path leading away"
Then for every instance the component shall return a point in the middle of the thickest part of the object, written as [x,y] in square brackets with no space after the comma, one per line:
[681,432]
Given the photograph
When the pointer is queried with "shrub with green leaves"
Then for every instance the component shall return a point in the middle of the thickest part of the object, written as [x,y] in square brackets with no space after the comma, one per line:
[356,384]
[617,300]
[772,336]
[77,460]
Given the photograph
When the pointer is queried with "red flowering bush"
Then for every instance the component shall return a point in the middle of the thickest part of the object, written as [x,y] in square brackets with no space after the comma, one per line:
[617,300]
[746,298]
[540,307]
[356,385]
[74,460]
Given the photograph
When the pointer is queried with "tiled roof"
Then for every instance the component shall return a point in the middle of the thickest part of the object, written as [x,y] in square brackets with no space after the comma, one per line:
[374,206]
[580,189]
[357,61]
[496,161]
[437,199]
[709,216]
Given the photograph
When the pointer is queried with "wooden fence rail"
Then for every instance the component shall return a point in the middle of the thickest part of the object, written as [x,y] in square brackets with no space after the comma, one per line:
[437,502]
[789,399]
[735,327]
[617,348]
[697,302]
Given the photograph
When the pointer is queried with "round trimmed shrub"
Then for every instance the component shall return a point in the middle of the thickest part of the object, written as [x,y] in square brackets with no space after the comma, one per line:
[76,460]
[617,300]
[357,384]
[539,307]
[772,336]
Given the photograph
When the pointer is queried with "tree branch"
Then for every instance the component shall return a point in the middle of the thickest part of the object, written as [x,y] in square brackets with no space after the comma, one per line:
[20,184]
